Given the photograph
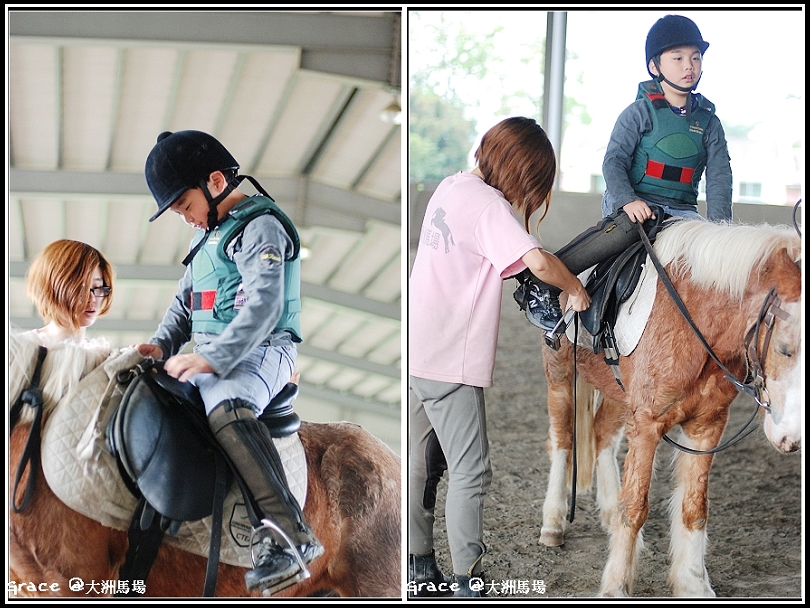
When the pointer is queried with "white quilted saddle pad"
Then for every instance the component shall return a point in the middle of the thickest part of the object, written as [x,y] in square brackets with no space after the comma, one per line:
[84,475]
[633,313]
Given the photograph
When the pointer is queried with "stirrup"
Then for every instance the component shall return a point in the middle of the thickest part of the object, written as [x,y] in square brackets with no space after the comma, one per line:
[552,336]
[303,572]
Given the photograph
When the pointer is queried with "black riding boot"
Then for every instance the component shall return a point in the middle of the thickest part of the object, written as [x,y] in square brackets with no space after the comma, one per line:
[250,447]
[608,238]
[469,586]
[425,578]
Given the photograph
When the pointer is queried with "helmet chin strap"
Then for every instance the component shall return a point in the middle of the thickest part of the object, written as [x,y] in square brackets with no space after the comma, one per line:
[213,216]
[661,78]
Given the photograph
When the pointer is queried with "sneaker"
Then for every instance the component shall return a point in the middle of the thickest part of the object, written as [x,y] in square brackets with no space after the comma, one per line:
[310,551]
[276,568]
[521,293]
[542,306]
[425,578]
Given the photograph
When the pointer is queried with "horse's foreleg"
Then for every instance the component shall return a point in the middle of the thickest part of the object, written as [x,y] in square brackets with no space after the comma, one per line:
[626,540]
[555,505]
[609,424]
[689,511]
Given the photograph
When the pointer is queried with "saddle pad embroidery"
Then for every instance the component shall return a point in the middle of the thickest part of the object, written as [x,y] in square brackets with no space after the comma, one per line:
[632,316]
[84,475]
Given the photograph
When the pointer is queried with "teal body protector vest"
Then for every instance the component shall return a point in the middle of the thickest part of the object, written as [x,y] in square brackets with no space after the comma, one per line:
[670,159]
[216,296]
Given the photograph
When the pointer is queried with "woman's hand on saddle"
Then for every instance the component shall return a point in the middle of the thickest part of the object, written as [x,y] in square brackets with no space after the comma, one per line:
[150,350]
[184,367]
[638,211]
[548,268]
[579,300]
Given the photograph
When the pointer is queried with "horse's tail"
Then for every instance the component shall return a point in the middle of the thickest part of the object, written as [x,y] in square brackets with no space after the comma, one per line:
[586,399]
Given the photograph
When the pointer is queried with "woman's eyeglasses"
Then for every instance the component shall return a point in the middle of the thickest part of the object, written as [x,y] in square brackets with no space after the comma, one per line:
[100,292]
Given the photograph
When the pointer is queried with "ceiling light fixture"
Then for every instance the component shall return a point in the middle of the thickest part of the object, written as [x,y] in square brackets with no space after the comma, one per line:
[392,113]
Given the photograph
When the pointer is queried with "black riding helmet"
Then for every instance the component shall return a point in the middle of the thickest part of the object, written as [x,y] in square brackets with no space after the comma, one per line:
[668,32]
[183,160]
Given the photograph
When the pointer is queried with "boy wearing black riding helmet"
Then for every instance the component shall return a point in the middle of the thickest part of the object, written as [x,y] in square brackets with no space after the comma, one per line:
[239,300]
[658,152]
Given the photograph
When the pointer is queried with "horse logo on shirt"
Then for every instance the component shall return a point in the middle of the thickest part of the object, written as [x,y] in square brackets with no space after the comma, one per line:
[438,221]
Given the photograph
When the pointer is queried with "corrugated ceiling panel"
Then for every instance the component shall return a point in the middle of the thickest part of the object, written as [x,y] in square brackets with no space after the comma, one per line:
[18,303]
[34,105]
[256,96]
[356,140]
[344,323]
[262,106]
[144,300]
[392,395]
[86,220]
[88,120]
[147,90]
[196,79]
[328,248]
[383,179]
[316,371]
[345,380]
[317,315]
[373,252]
[126,223]
[120,302]
[388,352]
[305,117]
[387,287]
[14,231]
[368,337]
[44,222]
[373,384]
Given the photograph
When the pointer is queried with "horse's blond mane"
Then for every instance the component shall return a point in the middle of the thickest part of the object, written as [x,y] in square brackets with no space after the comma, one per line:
[64,366]
[723,256]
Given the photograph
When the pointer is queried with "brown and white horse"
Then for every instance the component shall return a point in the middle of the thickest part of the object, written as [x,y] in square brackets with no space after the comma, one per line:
[723,274]
[353,503]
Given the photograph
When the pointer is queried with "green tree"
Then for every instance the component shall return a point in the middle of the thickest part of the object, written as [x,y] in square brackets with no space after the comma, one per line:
[440,135]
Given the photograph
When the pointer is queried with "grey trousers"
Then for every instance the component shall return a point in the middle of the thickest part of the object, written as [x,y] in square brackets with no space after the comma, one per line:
[453,414]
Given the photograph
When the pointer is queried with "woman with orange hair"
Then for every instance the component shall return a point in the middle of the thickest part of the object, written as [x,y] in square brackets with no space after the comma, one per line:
[71,284]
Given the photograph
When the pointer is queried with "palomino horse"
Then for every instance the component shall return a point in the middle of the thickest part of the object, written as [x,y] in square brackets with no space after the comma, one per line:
[353,503]
[741,286]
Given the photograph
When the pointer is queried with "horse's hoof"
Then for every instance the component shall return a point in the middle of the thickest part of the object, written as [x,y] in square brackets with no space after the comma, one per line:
[551,538]
[613,593]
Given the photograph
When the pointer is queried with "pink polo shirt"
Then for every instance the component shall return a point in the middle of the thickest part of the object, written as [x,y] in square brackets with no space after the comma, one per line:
[470,241]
